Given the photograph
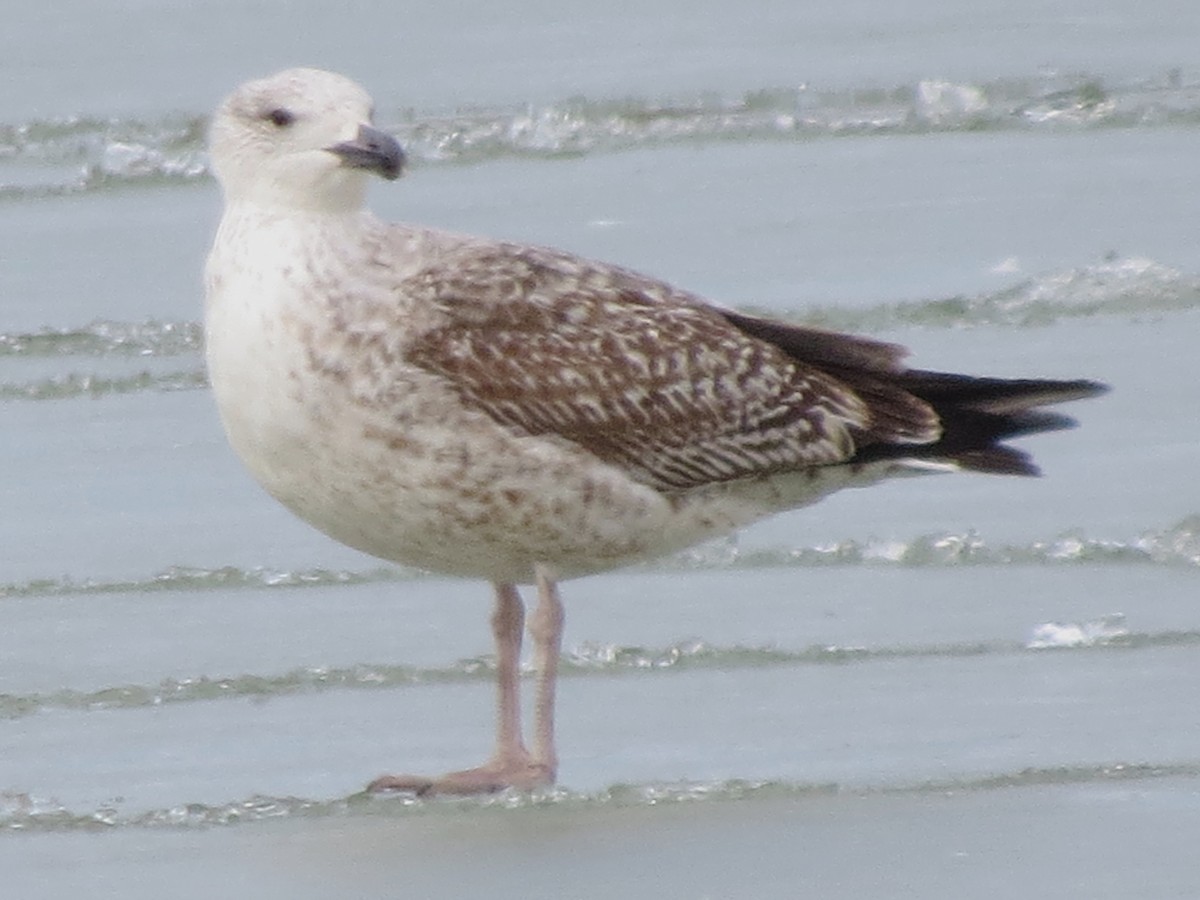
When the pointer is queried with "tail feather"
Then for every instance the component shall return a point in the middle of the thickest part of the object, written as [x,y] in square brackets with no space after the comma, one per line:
[978,415]
[975,440]
[936,416]
[996,395]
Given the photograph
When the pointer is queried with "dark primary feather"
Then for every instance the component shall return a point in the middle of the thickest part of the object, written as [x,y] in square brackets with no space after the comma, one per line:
[681,394]
[979,414]
[976,414]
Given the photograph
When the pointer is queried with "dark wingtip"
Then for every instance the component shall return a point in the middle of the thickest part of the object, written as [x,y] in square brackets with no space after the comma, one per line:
[979,414]
[1080,389]
[999,459]
[997,395]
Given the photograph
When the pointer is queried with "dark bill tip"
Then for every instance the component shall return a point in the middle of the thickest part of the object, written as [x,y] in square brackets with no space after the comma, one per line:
[372,150]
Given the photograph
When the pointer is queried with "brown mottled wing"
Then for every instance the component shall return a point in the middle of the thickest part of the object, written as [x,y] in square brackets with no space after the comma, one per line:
[644,377]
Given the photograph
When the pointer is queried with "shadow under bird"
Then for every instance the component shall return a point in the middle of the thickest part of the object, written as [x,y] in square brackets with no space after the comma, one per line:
[520,414]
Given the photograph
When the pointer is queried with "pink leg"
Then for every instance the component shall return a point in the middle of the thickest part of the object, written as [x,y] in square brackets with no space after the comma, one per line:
[508,621]
[546,628]
[511,764]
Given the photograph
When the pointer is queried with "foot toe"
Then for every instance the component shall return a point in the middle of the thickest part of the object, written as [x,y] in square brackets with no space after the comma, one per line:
[487,779]
[412,784]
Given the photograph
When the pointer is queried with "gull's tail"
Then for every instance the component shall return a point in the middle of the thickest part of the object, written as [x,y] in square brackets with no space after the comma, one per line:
[933,416]
[978,415]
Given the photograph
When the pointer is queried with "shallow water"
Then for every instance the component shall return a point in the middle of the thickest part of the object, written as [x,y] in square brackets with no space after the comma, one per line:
[947,686]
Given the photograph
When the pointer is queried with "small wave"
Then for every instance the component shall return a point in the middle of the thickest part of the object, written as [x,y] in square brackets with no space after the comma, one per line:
[1132,286]
[1094,632]
[63,387]
[587,660]
[23,813]
[106,338]
[150,341]
[197,578]
[203,688]
[27,813]
[102,153]
[1177,545]
[697,654]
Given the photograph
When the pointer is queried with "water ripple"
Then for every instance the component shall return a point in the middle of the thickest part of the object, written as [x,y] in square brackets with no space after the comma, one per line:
[1175,546]
[64,387]
[1132,286]
[24,813]
[586,660]
[104,338]
[197,578]
[85,153]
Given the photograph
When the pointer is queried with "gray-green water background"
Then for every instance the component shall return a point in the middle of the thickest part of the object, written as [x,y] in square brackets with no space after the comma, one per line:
[953,686]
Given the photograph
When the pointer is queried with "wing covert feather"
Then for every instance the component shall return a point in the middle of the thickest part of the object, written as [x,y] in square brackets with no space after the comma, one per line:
[642,376]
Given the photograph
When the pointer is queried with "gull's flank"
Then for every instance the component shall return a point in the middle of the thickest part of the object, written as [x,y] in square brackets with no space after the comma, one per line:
[520,414]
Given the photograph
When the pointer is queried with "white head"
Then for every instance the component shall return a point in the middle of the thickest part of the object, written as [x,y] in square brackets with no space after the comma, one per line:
[301,139]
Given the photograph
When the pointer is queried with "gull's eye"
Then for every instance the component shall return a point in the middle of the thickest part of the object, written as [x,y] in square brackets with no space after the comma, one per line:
[280,118]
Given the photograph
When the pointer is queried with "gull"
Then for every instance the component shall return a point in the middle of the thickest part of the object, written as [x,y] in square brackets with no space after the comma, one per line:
[520,414]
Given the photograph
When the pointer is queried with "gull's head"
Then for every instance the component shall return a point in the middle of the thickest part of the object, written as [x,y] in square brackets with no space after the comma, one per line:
[300,139]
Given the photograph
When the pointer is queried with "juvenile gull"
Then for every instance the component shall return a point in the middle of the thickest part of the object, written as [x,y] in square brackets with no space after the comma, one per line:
[519,414]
